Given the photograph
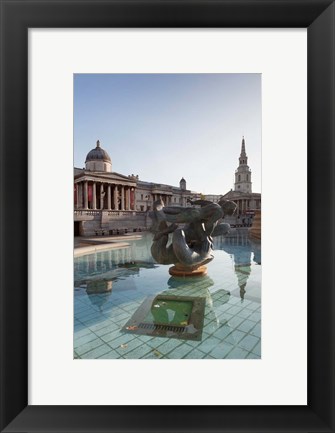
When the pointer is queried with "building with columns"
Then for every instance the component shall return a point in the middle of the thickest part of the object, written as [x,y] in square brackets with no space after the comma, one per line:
[148,192]
[108,202]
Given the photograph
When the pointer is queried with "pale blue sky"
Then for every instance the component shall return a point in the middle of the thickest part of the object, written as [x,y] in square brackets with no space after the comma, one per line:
[163,127]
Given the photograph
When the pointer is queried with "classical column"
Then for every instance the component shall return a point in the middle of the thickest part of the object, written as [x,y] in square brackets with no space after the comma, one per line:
[115,207]
[128,198]
[102,196]
[77,195]
[94,196]
[122,197]
[86,194]
[80,190]
[109,198]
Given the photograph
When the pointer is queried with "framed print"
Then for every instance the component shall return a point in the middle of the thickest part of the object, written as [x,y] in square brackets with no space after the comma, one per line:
[48,50]
[113,288]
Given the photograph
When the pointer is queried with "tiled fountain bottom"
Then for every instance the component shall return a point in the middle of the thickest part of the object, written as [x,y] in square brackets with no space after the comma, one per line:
[231,327]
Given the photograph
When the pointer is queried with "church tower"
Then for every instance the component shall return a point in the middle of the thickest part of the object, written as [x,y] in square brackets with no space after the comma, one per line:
[243,172]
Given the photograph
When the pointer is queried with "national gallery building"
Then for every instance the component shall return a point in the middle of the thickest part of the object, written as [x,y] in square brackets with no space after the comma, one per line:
[106,202]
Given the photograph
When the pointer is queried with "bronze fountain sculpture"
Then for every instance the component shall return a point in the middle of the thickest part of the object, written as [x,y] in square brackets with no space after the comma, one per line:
[192,229]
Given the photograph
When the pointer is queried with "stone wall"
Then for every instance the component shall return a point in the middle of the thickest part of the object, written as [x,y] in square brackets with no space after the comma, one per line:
[116,223]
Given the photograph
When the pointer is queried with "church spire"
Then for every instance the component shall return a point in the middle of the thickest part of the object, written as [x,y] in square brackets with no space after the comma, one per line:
[243,148]
[243,157]
[243,172]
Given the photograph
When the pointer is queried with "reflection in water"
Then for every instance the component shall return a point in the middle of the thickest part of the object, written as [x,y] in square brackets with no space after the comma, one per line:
[257,250]
[241,248]
[137,265]
[114,263]
[99,287]
[178,285]
[111,286]
[99,300]
[99,271]
[185,282]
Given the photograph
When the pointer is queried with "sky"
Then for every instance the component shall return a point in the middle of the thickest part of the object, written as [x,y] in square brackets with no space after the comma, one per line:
[163,127]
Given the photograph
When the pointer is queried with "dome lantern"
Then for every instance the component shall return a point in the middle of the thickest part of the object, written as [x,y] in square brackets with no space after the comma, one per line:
[98,159]
[182,184]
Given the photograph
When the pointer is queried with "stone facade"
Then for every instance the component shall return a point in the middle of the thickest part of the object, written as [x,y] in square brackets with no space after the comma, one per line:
[90,223]
[107,202]
[148,192]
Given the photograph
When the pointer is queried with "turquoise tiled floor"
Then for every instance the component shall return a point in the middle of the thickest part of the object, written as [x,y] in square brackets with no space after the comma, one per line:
[232,322]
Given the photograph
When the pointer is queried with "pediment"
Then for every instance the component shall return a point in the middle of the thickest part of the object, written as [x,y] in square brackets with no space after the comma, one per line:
[105,177]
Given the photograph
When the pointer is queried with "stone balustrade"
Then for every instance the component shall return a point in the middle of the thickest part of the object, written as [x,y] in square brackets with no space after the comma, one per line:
[89,214]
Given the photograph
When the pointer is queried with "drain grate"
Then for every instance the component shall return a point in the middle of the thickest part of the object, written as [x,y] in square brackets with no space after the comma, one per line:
[169,316]
[152,326]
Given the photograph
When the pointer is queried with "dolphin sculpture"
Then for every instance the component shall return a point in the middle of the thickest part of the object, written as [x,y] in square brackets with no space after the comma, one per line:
[192,230]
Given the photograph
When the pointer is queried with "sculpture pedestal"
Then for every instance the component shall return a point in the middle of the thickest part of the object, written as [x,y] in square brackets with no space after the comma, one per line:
[256,228]
[181,271]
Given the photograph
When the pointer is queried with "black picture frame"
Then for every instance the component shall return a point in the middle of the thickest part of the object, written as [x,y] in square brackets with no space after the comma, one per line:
[19,15]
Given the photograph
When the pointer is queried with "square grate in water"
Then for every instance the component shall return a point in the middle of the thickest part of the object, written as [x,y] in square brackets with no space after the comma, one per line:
[169,316]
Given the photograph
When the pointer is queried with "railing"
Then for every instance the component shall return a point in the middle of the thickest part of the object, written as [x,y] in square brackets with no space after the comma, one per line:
[110,213]
[120,213]
[86,212]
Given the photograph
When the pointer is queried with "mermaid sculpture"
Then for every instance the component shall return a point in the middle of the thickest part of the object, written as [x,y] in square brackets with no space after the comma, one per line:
[192,230]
